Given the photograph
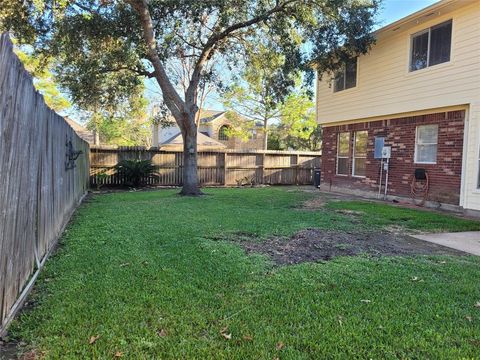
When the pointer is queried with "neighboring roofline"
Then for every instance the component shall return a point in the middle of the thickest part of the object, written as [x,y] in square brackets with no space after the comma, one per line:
[170,139]
[215,117]
[73,124]
[420,13]
[200,136]
[80,130]
[218,114]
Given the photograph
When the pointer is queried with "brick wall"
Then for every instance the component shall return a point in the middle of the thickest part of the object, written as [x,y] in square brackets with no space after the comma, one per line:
[399,133]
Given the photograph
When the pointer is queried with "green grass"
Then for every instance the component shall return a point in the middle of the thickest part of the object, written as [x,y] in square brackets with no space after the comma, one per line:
[131,264]
[377,215]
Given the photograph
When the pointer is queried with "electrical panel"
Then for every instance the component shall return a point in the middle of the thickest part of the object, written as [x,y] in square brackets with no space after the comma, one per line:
[386,152]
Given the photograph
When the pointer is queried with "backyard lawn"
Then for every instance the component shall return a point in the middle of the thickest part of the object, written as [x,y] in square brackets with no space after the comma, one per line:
[151,274]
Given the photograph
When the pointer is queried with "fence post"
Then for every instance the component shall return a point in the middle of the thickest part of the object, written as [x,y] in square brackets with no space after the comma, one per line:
[224,168]
[297,160]
[262,169]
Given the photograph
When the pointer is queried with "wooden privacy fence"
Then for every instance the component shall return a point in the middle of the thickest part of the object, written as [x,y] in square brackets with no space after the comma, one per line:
[221,167]
[40,183]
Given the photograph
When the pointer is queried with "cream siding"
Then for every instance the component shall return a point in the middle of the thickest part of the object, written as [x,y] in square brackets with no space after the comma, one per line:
[386,87]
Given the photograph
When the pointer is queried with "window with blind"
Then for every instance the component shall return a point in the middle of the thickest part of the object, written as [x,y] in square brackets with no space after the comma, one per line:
[426,144]
[343,152]
[346,77]
[431,46]
[360,153]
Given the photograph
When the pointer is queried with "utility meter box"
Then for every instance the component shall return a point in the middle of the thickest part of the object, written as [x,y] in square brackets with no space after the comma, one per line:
[386,152]
[379,143]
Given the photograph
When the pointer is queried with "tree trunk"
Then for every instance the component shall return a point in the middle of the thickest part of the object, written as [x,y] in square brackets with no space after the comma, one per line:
[96,137]
[155,129]
[190,174]
[265,135]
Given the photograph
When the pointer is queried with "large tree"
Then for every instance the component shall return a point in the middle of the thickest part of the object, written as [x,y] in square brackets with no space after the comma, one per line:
[129,125]
[297,127]
[266,95]
[261,88]
[122,41]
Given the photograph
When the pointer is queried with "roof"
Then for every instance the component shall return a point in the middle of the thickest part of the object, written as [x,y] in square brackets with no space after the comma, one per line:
[423,15]
[207,116]
[203,142]
[81,131]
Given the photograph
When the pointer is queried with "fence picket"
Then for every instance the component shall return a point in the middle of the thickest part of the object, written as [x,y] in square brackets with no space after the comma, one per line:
[215,168]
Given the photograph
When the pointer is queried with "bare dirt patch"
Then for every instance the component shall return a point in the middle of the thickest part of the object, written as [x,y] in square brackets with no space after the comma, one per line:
[321,199]
[8,350]
[314,203]
[314,245]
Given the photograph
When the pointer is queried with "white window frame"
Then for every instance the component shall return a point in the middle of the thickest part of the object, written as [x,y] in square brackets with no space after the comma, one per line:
[429,31]
[344,70]
[338,151]
[416,145]
[360,157]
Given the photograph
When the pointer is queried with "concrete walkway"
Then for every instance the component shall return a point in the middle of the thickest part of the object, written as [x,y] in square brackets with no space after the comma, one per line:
[468,242]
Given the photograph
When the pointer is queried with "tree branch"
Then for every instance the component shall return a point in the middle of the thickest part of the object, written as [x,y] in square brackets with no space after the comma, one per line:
[215,38]
[173,101]
[189,43]
[121,68]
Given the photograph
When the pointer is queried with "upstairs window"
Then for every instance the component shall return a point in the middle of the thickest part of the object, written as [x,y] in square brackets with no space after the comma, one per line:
[426,144]
[343,153]
[431,46]
[346,77]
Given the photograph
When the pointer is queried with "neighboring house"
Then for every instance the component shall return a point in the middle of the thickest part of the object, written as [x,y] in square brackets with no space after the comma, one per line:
[213,124]
[85,134]
[204,142]
[418,90]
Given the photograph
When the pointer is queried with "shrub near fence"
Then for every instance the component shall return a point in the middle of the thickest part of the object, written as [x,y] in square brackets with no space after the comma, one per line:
[39,187]
[215,168]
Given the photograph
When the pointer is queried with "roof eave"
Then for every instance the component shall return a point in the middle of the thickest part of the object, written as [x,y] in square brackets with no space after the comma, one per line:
[416,15]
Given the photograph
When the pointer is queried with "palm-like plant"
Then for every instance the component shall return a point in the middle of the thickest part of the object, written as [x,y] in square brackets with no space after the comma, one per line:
[135,172]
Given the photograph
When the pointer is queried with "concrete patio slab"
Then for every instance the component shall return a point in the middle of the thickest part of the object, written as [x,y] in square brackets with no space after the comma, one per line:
[468,242]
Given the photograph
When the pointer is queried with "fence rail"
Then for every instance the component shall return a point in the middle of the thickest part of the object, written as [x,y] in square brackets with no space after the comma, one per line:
[221,167]
[39,187]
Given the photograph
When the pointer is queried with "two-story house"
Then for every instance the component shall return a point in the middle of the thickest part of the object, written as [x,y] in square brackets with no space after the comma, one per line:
[417,92]
[213,128]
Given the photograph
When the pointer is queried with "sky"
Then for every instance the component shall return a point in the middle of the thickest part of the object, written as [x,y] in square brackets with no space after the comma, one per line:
[390,11]
[393,10]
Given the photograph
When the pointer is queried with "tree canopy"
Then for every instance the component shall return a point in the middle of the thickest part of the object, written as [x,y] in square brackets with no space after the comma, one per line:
[105,47]
[297,127]
[44,80]
[129,125]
